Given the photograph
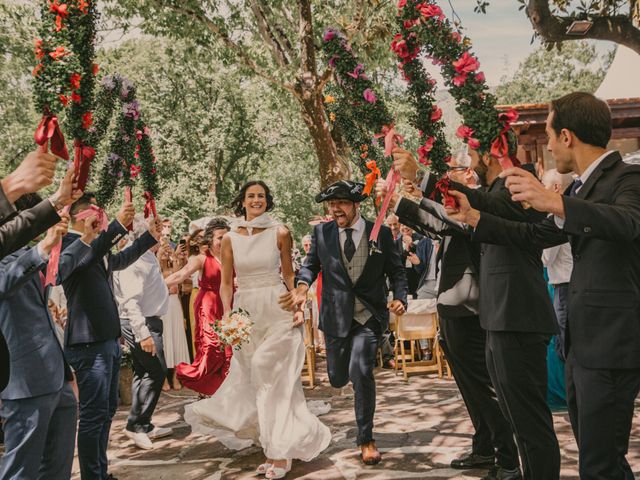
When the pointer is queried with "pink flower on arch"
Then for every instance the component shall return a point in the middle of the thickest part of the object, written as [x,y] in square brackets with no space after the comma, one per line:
[328,35]
[401,4]
[480,78]
[356,71]
[464,132]
[429,10]
[473,143]
[423,151]
[436,113]
[399,46]
[466,64]
[456,37]
[460,80]
[369,96]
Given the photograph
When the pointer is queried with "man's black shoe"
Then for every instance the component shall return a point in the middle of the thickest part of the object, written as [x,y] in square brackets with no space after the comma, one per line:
[472,460]
[499,473]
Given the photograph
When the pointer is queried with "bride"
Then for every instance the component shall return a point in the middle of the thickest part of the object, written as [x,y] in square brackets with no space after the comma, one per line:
[262,398]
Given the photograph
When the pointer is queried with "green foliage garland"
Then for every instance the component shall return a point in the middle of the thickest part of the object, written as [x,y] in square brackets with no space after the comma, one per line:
[484,128]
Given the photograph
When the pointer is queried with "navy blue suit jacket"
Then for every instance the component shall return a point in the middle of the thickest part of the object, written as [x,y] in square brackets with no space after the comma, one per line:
[339,292]
[91,306]
[36,365]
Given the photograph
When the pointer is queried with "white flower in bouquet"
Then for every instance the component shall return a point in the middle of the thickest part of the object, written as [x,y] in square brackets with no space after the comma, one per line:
[234,329]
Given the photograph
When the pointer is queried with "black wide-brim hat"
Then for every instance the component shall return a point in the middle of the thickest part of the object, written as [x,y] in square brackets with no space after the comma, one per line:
[342,190]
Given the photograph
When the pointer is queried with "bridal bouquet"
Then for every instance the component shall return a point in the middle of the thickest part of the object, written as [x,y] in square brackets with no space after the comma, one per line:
[234,329]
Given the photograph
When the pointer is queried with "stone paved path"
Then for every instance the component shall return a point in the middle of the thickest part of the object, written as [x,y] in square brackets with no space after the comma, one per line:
[420,426]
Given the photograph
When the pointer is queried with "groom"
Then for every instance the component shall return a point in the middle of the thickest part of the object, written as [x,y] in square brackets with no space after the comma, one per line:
[354,312]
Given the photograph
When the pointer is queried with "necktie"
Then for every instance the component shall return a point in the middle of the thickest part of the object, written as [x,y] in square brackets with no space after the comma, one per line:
[349,246]
[577,183]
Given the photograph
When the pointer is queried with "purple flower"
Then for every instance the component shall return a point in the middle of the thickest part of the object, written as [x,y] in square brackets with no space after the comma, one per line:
[125,88]
[131,110]
[328,35]
[108,83]
[369,96]
[332,61]
[356,71]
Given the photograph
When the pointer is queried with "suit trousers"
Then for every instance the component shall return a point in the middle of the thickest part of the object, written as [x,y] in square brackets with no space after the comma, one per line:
[97,367]
[353,358]
[149,372]
[601,403]
[39,436]
[463,341]
[518,369]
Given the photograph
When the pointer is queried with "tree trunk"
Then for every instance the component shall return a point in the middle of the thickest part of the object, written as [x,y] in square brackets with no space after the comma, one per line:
[332,167]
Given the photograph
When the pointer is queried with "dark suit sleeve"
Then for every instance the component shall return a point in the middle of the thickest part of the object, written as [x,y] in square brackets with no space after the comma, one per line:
[311,267]
[75,255]
[14,274]
[618,221]
[129,255]
[98,249]
[6,209]
[499,231]
[429,218]
[26,226]
[393,266]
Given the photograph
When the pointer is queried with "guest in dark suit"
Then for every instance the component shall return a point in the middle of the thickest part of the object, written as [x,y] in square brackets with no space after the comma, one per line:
[93,329]
[600,215]
[354,311]
[19,228]
[38,405]
[462,338]
[516,313]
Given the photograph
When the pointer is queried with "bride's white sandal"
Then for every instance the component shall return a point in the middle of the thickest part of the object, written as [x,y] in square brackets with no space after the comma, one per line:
[278,472]
[264,468]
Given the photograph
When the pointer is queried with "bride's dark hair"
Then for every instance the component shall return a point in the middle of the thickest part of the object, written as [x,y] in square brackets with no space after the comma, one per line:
[236,204]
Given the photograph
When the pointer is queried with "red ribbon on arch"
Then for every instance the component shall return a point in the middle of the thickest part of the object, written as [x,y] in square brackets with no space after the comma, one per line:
[150,205]
[49,135]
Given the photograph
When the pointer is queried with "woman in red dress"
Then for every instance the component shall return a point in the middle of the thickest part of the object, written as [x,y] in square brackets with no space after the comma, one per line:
[211,364]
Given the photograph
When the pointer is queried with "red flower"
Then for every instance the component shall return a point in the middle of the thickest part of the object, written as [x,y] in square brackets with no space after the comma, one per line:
[428,10]
[402,3]
[153,171]
[508,117]
[464,132]
[75,81]
[466,64]
[83,6]
[473,143]
[59,9]
[63,99]
[399,46]
[436,113]
[36,71]
[87,120]
[38,49]
[134,171]
[423,151]
[480,78]
[456,37]
[76,98]
[407,24]
[58,53]
[95,69]
[139,137]
[460,80]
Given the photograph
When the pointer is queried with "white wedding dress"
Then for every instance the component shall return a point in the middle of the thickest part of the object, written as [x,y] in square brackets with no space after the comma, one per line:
[262,400]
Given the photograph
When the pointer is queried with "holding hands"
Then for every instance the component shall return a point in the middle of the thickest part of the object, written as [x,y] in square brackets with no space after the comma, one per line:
[54,234]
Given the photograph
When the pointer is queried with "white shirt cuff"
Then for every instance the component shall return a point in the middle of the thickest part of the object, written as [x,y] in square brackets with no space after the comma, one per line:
[558,221]
[44,256]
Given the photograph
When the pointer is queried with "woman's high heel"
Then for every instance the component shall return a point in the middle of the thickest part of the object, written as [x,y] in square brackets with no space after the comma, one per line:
[278,472]
[263,469]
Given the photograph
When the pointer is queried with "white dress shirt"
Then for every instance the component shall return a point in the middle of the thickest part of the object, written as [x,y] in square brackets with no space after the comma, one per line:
[559,263]
[583,178]
[141,292]
[358,231]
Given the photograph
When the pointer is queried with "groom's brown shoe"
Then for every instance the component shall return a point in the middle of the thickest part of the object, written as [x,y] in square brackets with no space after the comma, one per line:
[370,454]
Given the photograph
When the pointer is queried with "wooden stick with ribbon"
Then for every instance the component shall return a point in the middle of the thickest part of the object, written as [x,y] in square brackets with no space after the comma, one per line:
[391,140]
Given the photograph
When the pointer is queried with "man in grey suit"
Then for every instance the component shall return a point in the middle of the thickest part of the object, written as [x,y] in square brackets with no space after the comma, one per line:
[38,404]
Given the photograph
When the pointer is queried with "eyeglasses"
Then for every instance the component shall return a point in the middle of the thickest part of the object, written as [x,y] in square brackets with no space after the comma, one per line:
[457,168]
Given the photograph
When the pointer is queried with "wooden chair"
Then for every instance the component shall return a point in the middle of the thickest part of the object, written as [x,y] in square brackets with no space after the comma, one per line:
[418,326]
[309,369]
[442,359]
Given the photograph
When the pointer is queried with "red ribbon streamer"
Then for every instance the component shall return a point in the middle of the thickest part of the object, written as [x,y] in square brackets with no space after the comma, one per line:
[443,186]
[150,206]
[370,178]
[101,216]
[54,259]
[82,157]
[49,132]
